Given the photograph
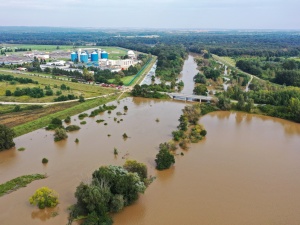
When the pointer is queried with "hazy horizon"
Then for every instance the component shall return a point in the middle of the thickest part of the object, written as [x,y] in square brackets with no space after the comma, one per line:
[156,14]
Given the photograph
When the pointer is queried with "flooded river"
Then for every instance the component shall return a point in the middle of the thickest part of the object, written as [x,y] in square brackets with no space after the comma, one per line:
[246,171]
[189,70]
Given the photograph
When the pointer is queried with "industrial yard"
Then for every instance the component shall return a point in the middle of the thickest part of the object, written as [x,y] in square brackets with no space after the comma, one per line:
[49,52]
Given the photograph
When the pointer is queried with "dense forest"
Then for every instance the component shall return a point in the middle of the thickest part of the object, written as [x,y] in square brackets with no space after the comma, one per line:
[277,70]
[225,43]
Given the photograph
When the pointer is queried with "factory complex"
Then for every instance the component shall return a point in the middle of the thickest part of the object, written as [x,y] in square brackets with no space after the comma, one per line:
[74,61]
[100,58]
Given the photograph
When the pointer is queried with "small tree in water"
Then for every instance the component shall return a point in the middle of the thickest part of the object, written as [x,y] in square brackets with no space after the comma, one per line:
[44,197]
[164,159]
[60,134]
[6,137]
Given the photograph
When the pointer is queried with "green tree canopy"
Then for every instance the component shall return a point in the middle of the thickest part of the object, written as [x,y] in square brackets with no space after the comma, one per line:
[164,159]
[6,137]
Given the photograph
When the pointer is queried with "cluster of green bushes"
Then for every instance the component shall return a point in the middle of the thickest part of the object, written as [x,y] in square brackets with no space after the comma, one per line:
[72,128]
[111,189]
[82,116]
[55,123]
[17,79]
[34,92]
[19,108]
[188,129]
[60,130]
[102,109]
[147,91]
[62,98]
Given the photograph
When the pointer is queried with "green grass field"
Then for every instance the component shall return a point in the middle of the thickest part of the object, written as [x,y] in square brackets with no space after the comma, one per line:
[125,80]
[114,52]
[229,60]
[75,88]
[226,60]
[297,59]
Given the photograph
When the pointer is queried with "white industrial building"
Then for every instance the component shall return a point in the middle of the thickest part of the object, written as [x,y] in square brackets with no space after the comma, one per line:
[124,64]
[131,54]
[42,56]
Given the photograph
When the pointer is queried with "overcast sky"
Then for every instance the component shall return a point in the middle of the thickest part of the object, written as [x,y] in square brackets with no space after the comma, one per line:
[222,14]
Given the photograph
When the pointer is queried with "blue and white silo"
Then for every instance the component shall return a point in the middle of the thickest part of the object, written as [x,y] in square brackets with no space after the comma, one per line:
[104,55]
[84,58]
[94,57]
[74,56]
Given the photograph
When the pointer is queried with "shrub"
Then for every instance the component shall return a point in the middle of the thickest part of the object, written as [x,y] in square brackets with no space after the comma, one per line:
[100,121]
[125,108]
[21,149]
[125,136]
[72,128]
[8,93]
[56,121]
[203,133]
[116,151]
[17,108]
[60,134]
[68,119]
[45,160]
[51,127]
[49,92]
[81,99]
[82,116]
[76,140]
[83,122]
[184,143]
[44,197]
[135,167]
[177,135]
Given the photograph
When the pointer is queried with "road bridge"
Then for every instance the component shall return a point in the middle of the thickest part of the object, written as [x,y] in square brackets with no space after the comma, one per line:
[189,97]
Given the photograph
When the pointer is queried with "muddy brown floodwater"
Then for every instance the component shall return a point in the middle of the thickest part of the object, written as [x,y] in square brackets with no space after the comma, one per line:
[187,74]
[247,170]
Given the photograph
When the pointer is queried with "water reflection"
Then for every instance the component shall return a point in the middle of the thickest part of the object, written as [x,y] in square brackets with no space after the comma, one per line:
[45,214]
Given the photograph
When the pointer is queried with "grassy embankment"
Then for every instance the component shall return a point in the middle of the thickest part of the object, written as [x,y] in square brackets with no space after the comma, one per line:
[143,72]
[45,120]
[19,182]
[134,79]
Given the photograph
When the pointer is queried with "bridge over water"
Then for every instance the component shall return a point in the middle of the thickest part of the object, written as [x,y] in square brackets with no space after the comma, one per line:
[189,97]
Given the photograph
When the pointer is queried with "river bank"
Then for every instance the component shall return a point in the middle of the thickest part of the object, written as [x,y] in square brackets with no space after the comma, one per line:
[236,175]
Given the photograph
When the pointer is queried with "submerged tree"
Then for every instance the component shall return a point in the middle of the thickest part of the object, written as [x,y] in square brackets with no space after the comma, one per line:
[164,159]
[44,197]
[60,134]
[6,137]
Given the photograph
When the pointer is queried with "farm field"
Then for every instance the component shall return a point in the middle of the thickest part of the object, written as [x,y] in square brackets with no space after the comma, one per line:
[114,52]
[77,89]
